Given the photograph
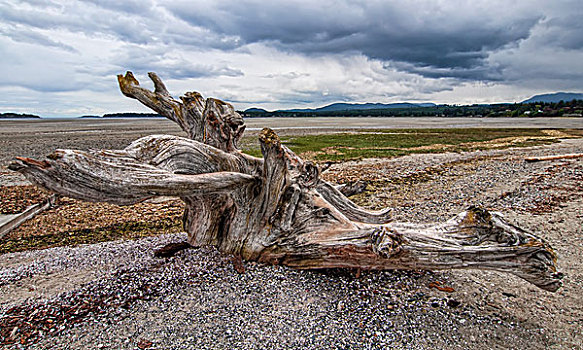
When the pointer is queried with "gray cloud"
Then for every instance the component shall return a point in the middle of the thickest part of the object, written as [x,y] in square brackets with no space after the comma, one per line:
[136,22]
[423,37]
[296,52]
[132,7]
[565,32]
[430,41]
[25,35]
[77,17]
[169,63]
[35,67]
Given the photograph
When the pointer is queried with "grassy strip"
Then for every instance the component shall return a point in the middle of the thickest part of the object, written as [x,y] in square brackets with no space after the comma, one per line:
[128,230]
[383,143]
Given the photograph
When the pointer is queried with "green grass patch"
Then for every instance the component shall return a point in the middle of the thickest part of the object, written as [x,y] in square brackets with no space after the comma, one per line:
[383,143]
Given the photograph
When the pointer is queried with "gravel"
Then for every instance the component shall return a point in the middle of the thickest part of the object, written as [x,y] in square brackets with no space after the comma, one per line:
[197,300]
[117,295]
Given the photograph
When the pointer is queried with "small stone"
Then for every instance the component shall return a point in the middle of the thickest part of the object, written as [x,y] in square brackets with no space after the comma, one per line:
[453,303]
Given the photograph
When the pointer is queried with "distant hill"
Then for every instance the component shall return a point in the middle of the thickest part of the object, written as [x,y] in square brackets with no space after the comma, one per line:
[18,116]
[255,110]
[336,107]
[555,97]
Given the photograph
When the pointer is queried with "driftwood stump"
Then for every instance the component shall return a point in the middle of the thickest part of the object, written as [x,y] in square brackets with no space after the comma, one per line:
[277,209]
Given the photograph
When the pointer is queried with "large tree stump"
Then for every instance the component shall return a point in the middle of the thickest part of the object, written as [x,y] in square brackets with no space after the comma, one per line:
[277,209]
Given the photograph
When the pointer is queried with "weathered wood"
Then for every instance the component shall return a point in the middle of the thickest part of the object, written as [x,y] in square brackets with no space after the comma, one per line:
[209,121]
[352,188]
[557,157]
[115,178]
[171,249]
[349,209]
[277,209]
[26,215]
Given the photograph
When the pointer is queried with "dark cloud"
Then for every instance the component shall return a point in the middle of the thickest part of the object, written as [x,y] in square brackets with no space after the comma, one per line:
[453,39]
[482,71]
[430,41]
[78,17]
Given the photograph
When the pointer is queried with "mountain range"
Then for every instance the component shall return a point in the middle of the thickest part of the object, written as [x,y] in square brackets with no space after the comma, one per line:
[555,97]
[335,107]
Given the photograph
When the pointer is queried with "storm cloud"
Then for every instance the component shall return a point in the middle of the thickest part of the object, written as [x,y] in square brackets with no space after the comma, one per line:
[442,40]
[292,53]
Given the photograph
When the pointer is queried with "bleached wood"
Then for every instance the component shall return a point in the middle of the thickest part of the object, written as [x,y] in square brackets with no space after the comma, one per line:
[27,214]
[276,209]
[555,157]
[210,120]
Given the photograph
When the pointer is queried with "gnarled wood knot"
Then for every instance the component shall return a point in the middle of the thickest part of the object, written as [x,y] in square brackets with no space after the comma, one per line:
[386,242]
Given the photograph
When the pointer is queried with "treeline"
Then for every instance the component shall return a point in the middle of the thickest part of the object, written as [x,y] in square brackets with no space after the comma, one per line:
[18,116]
[539,109]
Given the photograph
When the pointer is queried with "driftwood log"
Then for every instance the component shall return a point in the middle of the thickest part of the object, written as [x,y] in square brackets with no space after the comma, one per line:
[18,219]
[277,209]
[557,157]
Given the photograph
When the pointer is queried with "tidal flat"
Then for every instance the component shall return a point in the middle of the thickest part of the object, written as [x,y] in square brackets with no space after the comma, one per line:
[37,138]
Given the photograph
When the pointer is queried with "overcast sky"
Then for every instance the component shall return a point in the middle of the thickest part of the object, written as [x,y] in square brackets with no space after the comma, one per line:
[60,58]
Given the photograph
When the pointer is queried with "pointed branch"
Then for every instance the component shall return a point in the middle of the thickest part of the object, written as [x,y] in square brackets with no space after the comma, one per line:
[117,178]
[159,87]
[30,212]
[209,121]
[162,103]
[351,210]
[475,239]
[556,157]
